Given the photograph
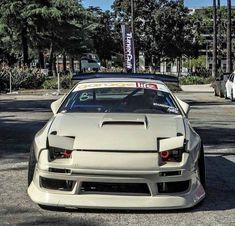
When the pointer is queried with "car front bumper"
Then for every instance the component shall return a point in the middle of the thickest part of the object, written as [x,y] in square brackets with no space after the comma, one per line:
[74,198]
[176,201]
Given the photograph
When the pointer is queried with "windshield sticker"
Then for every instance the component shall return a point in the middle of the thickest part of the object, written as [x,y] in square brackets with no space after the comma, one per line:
[84,97]
[143,85]
[161,105]
[146,85]
[85,86]
[173,110]
[170,109]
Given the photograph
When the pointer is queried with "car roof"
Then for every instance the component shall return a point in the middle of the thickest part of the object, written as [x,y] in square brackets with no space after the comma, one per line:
[121,79]
[109,75]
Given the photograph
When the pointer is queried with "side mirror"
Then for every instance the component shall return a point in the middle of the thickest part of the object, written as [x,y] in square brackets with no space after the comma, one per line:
[185,106]
[56,105]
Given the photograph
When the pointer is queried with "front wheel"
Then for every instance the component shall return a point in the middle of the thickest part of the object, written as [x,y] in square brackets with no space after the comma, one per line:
[201,168]
[221,94]
[31,165]
[225,95]
[232,98]
[215,93]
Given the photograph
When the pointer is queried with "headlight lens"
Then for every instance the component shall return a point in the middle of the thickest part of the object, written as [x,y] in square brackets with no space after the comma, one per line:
[59,153]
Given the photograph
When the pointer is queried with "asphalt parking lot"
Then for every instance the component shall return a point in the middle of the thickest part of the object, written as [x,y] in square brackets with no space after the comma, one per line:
[212,117]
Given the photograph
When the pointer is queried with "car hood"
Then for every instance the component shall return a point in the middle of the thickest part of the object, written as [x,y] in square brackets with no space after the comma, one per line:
[109,131]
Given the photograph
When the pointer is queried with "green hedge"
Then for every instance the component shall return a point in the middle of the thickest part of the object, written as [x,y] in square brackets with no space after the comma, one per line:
[20,79]
[52,83]
[30,79]
[174,87]
[195,80]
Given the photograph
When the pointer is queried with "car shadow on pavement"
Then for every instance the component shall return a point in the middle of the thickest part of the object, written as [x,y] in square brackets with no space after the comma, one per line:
[193,103]
[28,217]
[62,221]
[19,122]
[217,136]
[15,105]
[16,135]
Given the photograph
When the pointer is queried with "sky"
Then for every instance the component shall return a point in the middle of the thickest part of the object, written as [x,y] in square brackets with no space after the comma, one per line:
[105,4]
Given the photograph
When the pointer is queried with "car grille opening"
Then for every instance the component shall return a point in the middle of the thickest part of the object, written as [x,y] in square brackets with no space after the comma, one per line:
[115,188]
[173,187]
[54,184]
[57,170]
[170,173]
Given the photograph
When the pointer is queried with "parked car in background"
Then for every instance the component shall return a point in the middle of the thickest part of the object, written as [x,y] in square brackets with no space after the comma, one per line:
[219,84]
[230,87]
[90,62]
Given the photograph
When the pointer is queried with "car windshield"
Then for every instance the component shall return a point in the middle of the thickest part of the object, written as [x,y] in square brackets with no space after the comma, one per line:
[120,100]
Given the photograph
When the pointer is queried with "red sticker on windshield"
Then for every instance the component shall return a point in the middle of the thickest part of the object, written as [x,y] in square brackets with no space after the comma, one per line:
[146,85]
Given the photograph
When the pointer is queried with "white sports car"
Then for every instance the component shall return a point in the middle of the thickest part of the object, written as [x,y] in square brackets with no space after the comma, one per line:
[117,143]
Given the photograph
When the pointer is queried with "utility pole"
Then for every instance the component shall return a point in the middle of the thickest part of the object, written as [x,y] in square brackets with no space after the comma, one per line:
[219,39]
[207,56]
[214,68]
[133,31]
[132,16]
[229,39]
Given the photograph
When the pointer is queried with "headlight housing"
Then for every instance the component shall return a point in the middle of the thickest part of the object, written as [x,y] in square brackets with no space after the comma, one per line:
[59,153]
[171,155]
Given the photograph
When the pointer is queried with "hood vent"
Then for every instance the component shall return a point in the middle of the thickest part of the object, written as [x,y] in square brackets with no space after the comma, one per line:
[123,123]
[135,121]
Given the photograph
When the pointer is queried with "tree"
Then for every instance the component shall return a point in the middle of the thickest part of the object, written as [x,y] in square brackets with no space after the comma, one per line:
[162,28]
[103,35]
[42,27]
[57,26]
[15,27]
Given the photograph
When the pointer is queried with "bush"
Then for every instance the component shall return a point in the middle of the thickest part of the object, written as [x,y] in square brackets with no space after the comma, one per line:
[174,87]
[52,83]
[30,79]
[4,81]
[195,80]
[20,78]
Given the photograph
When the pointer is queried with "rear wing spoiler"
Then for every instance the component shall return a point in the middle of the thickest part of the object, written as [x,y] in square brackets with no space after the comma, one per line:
[158,77]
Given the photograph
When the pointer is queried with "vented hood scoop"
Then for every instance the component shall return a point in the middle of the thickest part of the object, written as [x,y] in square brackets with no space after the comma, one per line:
[124,120]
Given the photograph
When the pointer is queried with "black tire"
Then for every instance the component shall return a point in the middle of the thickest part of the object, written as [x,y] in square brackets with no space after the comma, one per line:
[225,95]
[215,93]
[31,165]
[201,168]
[232,98]
[221,94]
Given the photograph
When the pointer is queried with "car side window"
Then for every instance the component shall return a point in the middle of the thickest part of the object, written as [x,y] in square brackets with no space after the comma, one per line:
[231,78]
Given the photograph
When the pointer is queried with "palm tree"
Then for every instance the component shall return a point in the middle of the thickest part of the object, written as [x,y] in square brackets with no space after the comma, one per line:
[229,39]
[214,69]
